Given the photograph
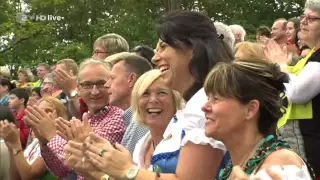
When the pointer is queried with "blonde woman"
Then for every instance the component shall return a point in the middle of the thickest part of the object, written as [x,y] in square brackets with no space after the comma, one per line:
[249,51]
[28,164]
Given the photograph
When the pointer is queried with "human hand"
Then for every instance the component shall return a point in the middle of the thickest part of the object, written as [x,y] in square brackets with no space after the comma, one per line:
[75,129]
[277,54]
[43,124]
[114,161]
[66,81]
[10,134]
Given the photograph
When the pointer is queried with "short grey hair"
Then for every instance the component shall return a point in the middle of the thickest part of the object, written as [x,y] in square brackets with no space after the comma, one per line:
[92,62]
[236,27]
[223,29]
[313,5]
[112,43]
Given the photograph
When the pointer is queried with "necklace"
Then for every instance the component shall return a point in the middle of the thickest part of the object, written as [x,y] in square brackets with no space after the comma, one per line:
[269,145]
[244,160]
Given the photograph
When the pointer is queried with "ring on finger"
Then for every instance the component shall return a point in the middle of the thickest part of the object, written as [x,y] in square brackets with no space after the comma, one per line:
[83,160]
[102,152]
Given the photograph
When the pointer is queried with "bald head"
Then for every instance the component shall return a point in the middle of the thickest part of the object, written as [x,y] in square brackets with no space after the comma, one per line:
[278,31]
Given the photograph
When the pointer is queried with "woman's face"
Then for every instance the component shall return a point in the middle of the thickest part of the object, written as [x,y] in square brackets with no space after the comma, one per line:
[22,78]
[48,108]
[310,28]
[157,105]
[173,63]
[291,32]
[223,116]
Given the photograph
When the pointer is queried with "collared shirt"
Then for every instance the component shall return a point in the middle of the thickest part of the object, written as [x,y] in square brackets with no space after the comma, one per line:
[108,123]
[134,131]
[5,100]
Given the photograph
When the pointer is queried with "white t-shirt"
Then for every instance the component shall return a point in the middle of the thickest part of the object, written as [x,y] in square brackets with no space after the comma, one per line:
[32,152]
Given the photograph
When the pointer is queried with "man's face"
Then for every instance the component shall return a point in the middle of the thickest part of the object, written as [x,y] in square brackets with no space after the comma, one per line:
[91,86]
[42,72]
[278,31]
[119,86]
[99,53]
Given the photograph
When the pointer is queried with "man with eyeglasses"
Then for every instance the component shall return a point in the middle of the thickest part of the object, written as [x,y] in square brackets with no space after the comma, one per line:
[109,44]
[104,120]
[104,46]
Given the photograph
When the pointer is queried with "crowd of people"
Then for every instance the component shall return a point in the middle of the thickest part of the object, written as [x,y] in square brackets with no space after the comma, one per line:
[204,104]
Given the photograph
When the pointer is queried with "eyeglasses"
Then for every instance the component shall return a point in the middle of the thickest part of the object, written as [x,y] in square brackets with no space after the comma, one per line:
[90,85]
[308,18]
[98,52]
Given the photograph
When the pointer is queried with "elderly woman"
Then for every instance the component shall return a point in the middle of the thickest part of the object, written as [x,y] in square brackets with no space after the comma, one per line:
[188,48]
[25,78]
[242,110]
[28,164]
[299,126]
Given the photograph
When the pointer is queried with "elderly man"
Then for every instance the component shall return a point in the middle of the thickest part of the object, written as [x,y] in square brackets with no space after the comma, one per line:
[104,46]
[104,120]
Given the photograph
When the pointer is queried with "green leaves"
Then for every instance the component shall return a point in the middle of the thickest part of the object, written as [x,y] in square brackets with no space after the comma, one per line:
[32,42]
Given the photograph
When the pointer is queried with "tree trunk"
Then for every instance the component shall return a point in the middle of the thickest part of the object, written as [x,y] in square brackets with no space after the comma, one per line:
[172,4]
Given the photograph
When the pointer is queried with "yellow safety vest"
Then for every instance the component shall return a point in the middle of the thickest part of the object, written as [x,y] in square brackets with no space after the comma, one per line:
[297,111]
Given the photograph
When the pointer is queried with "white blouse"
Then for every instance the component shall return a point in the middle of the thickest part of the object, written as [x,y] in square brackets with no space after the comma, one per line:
[304,87]
[288,172]
[193,122]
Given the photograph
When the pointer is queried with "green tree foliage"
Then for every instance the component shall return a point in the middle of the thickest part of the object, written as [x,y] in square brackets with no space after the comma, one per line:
[31,42]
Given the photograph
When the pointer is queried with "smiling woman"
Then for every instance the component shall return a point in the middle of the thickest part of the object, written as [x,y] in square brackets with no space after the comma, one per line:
[154,104]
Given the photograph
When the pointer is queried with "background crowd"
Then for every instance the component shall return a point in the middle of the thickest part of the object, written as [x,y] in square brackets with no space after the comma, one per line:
[204,104]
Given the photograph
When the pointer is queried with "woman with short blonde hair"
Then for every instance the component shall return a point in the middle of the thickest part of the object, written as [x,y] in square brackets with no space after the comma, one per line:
[249,51]
[28,163]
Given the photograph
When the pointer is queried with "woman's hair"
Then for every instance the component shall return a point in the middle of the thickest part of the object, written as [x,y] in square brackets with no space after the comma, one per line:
[181,29]
[6,114]
[313,5]
[144,51]
[296,25]
[141,86]
[5,72]
[252,51]
[57,105]
[6,82]
[225,33]
[37,90]
[27,73]
[248,80]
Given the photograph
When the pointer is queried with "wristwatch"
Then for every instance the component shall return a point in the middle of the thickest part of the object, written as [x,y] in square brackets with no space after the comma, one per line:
[16,151]
[132,173]
[105,177]
[73,93]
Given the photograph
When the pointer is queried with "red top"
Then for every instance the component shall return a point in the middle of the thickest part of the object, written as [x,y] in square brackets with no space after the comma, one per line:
[24,130]
[291,42]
